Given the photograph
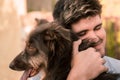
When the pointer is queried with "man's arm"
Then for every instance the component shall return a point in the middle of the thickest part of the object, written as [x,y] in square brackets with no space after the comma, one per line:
[112,64]
[87,64]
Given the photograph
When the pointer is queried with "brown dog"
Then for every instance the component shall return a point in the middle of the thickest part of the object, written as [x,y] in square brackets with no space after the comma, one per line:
[49,48]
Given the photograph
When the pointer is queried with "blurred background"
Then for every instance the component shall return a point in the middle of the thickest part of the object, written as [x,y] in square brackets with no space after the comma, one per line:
[17,20]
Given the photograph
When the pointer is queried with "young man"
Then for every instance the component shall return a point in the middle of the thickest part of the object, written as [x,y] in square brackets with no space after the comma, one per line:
[83,17]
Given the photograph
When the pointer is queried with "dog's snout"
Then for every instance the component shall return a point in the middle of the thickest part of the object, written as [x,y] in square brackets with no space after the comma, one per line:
[11,65]
[19,66]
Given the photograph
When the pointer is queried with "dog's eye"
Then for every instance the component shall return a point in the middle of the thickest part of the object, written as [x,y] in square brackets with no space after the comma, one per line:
[31,49]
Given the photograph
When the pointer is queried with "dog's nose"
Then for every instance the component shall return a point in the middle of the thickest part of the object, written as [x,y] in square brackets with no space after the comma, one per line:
[11,65]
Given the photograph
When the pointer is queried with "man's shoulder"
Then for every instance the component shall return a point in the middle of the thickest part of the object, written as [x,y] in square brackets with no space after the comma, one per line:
[110,58]
[112,64]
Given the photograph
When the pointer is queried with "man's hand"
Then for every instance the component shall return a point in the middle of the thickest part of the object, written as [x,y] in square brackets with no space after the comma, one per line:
[87,64]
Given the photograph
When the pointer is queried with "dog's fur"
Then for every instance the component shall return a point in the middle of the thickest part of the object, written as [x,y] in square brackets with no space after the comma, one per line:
[49,47]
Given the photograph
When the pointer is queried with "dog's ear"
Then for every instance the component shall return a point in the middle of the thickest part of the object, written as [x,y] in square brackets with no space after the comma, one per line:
[65,33]
[57,38]
[50,38]
[50,35]
[56,29]
[41,21]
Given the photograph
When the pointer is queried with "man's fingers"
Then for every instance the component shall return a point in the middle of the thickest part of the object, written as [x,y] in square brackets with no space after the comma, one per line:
[104,69]
[103,61]
[76,46]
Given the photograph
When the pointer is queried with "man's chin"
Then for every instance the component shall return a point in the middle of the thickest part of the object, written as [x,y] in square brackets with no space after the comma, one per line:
[101,51]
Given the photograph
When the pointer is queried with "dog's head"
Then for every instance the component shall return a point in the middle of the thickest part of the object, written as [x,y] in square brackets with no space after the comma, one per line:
[45,45]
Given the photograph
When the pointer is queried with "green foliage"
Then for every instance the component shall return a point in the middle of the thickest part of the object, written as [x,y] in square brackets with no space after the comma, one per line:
[110,42]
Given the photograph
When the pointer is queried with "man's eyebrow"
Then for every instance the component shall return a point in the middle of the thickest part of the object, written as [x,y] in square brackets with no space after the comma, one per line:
[98,25]
[87,29]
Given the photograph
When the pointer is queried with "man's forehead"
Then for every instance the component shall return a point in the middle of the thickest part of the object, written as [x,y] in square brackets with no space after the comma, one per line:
[86,23]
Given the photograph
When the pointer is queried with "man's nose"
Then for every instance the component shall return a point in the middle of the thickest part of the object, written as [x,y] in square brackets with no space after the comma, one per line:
[93,36]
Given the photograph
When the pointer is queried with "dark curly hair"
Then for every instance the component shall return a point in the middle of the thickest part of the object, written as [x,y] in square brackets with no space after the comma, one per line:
[67,12]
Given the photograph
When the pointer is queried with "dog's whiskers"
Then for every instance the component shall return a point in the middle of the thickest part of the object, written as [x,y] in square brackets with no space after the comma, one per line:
[34,62]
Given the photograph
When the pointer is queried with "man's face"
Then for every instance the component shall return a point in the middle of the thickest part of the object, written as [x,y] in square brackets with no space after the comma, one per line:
[91,28]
